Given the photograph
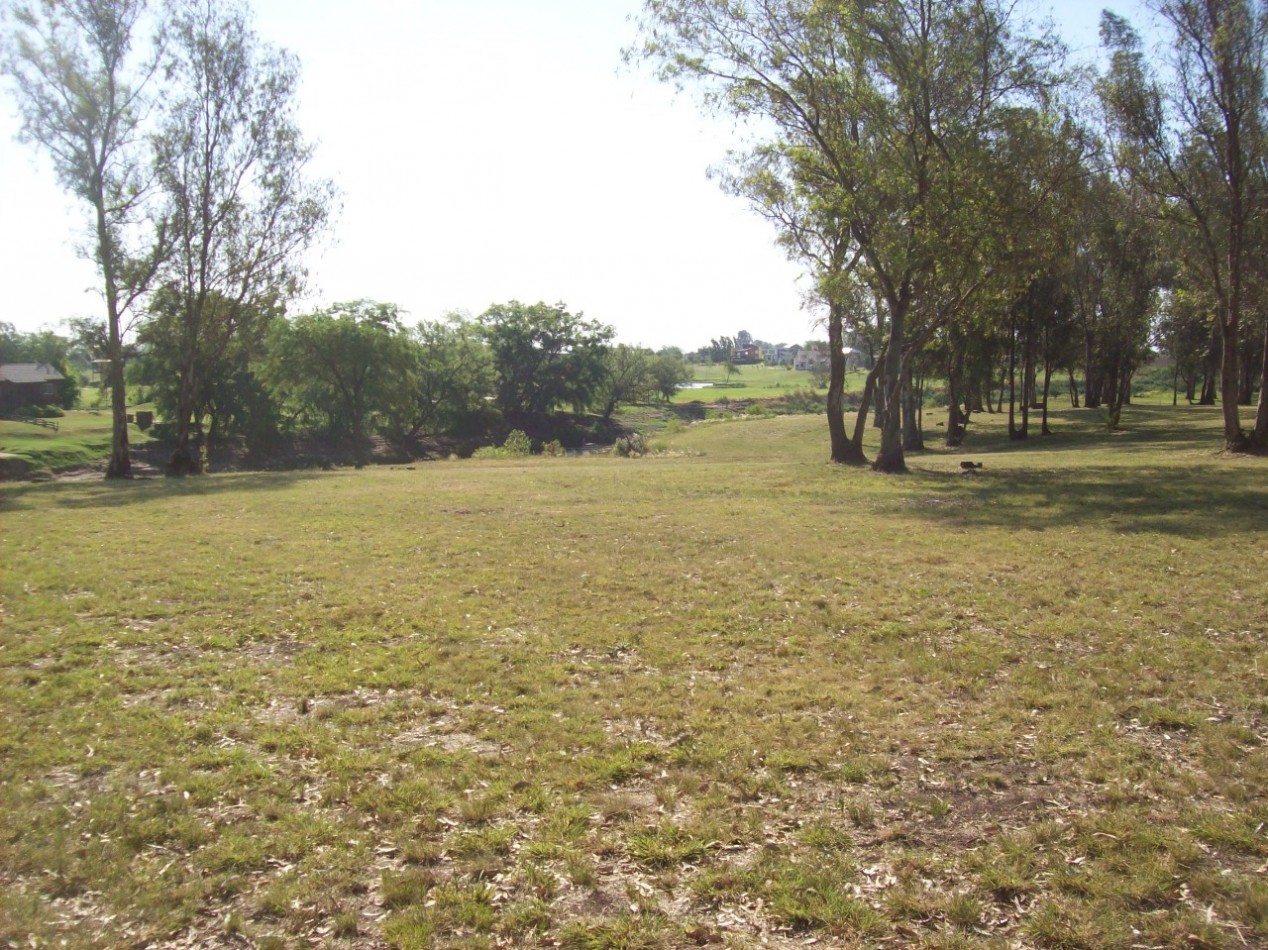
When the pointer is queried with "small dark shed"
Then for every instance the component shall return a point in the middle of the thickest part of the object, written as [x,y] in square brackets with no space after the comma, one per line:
[28,384]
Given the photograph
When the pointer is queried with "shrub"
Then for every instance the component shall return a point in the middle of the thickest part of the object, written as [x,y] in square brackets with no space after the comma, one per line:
[630,446]
[553,448]
[38,412]
[517,444]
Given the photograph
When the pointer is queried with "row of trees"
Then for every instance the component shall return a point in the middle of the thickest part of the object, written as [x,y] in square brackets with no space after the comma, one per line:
[356,369]
[972,209]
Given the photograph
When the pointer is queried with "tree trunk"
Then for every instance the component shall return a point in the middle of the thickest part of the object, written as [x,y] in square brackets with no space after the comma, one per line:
[912,441]
[1047,390]
[890,458]
[186,458]
[1211,370]
[854,448]
[1260,437]
[955,423]
[1074,391]
[120,464]
[1234,438]
[1013,432]
[840,443]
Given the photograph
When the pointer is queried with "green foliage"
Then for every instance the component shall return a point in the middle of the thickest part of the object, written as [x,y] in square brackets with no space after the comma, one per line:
[453,378]
[517,444]
[39,412]
[237,200]
[669,372]
[543,357]
[349,366]
[228,395]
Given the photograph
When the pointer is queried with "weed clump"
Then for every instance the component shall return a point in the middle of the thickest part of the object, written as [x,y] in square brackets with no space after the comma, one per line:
[630,446]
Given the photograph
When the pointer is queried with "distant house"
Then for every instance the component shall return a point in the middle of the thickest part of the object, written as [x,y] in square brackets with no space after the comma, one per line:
[814,359]
[26,384]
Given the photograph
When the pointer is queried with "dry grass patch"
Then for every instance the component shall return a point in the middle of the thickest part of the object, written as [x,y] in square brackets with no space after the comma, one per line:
[735,697]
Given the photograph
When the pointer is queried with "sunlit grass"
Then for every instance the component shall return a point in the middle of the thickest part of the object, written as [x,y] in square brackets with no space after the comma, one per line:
[727,693]
[82,438]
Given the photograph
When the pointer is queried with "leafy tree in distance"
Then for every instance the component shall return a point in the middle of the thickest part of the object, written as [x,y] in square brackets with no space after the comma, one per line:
[231,163]
[351,364]
[627,378]
[543,357]
[452,378]
[81,94]
[669,371]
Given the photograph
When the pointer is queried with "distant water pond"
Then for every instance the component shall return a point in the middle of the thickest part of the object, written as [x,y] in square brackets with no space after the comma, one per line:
[695,386]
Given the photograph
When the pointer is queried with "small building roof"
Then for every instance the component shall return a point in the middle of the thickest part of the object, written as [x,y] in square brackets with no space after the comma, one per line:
[28,373]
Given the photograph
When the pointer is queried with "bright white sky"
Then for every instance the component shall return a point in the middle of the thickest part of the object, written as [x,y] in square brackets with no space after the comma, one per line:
[486,150]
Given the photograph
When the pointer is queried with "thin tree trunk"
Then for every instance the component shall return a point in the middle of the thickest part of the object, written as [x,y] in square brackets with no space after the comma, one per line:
[120,464]
[1234,438]
[1013,432]
[840,443]
[912,442]
[186,459]
[1261,414]
[890,458]
[854,450]
[1047,389]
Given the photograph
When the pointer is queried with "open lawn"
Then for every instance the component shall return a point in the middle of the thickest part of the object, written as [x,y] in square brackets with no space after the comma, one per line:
[730,695]
[754,382]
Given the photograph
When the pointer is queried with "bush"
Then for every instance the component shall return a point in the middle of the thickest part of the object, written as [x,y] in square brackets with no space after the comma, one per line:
[629,446]
[38,412]
[553,448]
[517,444]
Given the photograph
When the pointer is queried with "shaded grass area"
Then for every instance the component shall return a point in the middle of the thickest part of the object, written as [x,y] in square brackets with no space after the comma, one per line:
[730,695]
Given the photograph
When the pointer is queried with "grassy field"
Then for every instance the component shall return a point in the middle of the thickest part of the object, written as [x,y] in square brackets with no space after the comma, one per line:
[753,382]
[730,695]
[82,439]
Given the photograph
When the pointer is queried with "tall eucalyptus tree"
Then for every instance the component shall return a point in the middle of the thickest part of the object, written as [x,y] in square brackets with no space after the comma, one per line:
[83,91]
[233,166]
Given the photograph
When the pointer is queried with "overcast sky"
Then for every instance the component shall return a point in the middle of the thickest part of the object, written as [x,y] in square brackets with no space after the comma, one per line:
[485,151]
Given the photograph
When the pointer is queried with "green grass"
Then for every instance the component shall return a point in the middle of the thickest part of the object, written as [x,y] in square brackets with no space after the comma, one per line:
[753,382]
[731,693]
[82,439]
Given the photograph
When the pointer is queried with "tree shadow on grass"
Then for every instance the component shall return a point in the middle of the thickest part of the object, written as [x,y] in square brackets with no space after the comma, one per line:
[1201,501]
[115,493]
[1142,428]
